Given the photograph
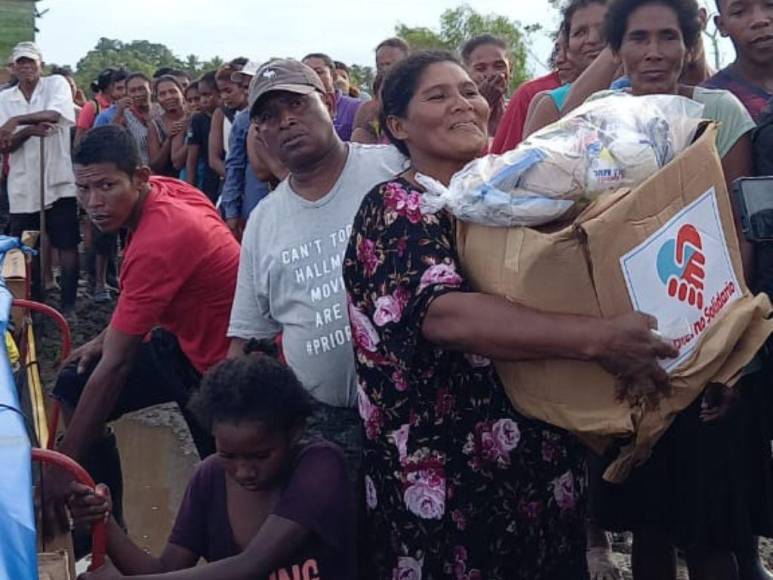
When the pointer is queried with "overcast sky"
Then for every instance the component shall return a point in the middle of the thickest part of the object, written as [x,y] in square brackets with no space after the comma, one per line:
[346,29]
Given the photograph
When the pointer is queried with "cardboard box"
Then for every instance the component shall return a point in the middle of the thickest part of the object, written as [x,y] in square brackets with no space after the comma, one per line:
[668,247]
[15,275]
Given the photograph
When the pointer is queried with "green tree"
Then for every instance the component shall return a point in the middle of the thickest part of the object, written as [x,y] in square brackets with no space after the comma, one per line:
[361,76]
[136,56]
[458,25]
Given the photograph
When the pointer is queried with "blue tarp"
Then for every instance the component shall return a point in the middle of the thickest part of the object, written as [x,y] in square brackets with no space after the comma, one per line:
[18,557]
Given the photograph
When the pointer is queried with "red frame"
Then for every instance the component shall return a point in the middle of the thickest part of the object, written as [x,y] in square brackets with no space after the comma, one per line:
[98,529]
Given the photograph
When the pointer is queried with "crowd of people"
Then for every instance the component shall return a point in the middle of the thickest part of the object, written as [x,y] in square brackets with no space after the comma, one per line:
[281,282]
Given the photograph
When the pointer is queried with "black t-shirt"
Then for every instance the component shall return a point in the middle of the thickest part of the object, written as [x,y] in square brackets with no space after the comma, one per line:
[317,495]
[198,134]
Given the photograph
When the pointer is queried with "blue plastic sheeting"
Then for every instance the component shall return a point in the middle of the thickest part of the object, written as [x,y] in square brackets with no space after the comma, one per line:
[18,557]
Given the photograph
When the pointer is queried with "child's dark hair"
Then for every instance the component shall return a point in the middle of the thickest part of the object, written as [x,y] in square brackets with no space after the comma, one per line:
[109,144]
[687,12]
[400,85]
[254,387]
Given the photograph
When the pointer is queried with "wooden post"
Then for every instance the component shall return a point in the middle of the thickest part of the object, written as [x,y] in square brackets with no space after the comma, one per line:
[43,235]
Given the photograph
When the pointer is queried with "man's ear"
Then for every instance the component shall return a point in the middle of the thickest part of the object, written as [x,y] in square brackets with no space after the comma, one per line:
[141,176]
[330,103]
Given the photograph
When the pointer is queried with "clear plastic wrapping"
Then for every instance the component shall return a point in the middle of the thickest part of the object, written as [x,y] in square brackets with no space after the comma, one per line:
[612,141]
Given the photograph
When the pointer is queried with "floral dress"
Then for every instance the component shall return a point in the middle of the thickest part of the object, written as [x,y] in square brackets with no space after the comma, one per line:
[457,483]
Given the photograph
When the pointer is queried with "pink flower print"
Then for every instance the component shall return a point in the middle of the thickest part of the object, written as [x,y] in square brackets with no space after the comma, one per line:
[444,274]
[370,414]
[403,203]
[365,407]
[366,255]
[388,309]
[371,499]
[444,402]
[426,497]
[365,335]
[459,519]
[532,510]
[400,439]
[506,436]
[563,491]
[407,569]
[399,381]
[550,452]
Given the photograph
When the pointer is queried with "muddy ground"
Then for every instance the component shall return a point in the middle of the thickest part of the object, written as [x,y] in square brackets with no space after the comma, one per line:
[158,454]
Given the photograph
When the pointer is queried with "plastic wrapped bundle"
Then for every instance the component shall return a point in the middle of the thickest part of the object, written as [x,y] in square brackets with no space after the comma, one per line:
[614,140]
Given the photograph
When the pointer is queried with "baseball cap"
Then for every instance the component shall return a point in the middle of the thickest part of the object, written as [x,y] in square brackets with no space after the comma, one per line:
[27,49]
[283,75]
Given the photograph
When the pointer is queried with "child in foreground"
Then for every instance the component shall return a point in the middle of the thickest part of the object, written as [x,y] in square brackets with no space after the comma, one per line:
[264,506]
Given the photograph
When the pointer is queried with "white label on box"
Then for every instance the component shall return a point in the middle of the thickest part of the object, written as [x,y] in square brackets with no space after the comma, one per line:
[683,276]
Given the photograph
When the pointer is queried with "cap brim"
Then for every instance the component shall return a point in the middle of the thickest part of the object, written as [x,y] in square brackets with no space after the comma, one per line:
[29,55]
[289,88]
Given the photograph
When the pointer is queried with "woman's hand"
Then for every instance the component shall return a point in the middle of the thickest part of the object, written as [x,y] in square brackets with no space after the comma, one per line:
[629,349]
[88,505]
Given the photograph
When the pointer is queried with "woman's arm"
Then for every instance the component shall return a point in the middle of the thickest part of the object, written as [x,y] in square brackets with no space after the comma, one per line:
[543,114]
[597,77]
[276,541]
[159,151]
[191,163]
[88,505]
[496,328]
[738,162]
[216,143]
[179,149]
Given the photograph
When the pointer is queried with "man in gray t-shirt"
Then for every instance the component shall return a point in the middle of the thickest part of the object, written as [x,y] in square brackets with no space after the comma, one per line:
[290,279]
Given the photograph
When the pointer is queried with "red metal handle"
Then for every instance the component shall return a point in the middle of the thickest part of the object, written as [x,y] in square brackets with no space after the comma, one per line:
[64,330]
[98,529]
[61,323]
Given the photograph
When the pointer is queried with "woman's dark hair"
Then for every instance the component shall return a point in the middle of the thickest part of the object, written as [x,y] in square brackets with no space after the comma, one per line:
[166,79]
[570,10]
[137,75]
[329,63]
[108,77]
[469,47]
[62,71]
[239,62]
[400,85]
[687,12]
[254,387]
[394,42]
[109,144]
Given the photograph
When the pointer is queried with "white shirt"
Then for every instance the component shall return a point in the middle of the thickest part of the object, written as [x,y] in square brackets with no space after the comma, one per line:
[291,279]
[51,94]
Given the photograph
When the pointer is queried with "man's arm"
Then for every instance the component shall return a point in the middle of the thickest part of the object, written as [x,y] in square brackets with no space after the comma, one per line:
[100,393]
[216,143]
[51,117]
[235,165]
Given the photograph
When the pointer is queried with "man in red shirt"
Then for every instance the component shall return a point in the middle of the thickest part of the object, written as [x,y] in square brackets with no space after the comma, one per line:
[510,131]
[178,280]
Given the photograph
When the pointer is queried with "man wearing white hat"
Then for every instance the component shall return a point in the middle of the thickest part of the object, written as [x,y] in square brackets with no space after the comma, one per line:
[41,107]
